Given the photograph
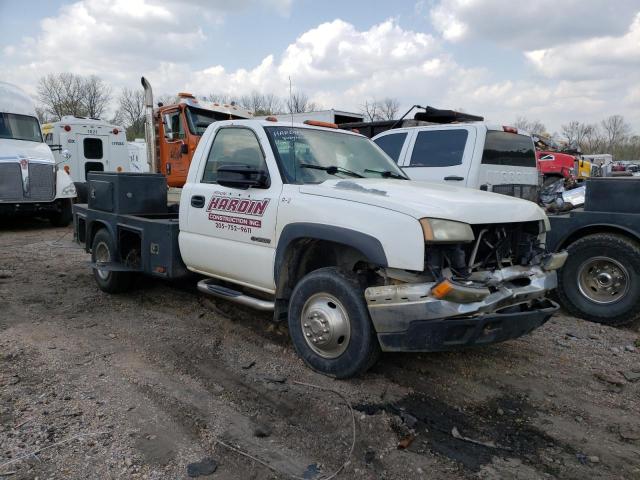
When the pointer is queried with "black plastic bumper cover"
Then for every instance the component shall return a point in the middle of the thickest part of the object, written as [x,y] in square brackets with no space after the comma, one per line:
[451,334]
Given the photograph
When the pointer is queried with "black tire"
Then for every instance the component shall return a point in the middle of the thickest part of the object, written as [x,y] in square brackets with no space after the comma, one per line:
[110,282]
[82,192]
[63,216]
[621,255]
[362,349]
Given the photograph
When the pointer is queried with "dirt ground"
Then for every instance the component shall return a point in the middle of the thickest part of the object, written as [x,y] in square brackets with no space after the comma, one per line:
[144,384]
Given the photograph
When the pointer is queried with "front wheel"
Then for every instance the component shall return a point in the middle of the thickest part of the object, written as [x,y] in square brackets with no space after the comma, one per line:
[599,282]
[329,324]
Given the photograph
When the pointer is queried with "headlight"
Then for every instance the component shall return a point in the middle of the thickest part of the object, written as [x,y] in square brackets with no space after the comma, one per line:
[69,190]
[446,231]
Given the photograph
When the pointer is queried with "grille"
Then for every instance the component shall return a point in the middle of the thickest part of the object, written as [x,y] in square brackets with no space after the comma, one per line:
[41,182]
[10,182]
[526,192]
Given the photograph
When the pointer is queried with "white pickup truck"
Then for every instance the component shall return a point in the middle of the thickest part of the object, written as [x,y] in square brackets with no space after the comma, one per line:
[498,159]
[318,226]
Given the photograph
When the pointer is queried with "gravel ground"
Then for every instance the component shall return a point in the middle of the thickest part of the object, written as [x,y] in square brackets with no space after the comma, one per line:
[145,384]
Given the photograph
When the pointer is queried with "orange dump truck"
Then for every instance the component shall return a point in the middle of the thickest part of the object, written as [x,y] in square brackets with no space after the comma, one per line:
[173,131]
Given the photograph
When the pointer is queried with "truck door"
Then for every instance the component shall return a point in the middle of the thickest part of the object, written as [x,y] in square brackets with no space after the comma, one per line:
[93,154]
[440,155]
[230,232]
[176,165]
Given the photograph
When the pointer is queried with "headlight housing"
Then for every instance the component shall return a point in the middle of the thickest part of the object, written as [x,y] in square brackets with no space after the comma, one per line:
[69,190]
[436,230]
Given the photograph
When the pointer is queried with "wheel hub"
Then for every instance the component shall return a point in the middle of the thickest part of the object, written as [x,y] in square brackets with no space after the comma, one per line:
[603,280]
[325,325]
[102,255]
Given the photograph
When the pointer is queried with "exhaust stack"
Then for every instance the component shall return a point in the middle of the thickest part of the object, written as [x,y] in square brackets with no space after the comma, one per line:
[149,127]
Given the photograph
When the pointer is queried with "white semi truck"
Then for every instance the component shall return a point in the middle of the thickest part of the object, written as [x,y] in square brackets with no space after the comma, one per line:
[30,181]
[322,228]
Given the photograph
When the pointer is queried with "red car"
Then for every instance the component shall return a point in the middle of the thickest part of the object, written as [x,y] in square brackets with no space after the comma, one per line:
[555,165]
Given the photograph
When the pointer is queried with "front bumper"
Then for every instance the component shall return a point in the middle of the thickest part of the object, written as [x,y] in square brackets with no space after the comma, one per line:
[451,334]
[409,317]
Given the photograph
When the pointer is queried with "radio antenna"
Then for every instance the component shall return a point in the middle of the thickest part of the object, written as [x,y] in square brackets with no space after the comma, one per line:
[290,101]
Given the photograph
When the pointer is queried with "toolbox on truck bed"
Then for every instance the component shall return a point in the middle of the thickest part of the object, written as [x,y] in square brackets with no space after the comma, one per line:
[133,209]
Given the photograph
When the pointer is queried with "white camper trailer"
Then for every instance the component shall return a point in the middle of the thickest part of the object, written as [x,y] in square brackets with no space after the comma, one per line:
[30,182]
[83,145]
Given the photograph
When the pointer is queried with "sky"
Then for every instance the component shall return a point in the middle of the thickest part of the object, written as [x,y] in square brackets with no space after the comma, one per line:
[548,60]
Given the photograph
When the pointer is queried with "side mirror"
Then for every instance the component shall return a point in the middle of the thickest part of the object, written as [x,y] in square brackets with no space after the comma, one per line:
[184,149]
[242,177]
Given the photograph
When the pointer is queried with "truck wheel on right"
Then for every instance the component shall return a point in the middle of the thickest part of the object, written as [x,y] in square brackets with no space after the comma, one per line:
[599,281]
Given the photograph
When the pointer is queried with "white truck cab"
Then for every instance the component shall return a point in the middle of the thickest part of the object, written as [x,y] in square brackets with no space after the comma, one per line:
[319,226]
[83,145]
[30,181]
[474,155]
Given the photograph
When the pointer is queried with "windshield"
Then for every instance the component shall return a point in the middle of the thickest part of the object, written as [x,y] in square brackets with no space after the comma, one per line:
[20,127]
[312,156]
[199,119]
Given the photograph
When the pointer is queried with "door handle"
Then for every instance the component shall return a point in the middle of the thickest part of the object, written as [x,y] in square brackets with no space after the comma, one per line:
[197,201]
[454,177]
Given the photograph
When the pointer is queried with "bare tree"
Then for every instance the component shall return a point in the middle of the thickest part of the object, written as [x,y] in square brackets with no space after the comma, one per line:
[167,99]
[298,102]
[62,94]
[388,108]
[96,96]
[131,112]
[370,110]
[615,131]
[535,127]
[261,103]
[594,140]
[576,132]
[43,115]
[220,98]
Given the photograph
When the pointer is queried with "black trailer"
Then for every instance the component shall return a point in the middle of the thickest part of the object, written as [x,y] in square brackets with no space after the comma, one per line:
[600,281]
[128,228]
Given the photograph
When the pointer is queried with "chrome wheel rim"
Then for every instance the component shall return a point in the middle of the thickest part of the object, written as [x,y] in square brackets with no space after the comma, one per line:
[102,255]
[603,280]
[325,325]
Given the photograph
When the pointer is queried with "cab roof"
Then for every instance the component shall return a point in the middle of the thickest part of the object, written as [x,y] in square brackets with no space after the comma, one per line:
[15,100]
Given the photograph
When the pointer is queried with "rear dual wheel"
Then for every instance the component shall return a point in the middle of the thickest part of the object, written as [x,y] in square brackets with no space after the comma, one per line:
[103,251]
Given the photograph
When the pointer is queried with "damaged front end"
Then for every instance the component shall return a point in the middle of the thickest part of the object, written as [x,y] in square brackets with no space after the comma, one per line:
[473,293]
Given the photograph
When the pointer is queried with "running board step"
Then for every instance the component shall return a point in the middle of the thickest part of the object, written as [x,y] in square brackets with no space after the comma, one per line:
[218,291]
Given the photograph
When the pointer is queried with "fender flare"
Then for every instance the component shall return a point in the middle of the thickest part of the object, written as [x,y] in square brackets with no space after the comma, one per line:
[369,246]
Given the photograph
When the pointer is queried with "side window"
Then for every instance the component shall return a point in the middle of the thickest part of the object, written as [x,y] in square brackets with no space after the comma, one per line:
[92,148]
[48,138]
[392,144]
[233,146]
[439,148]
[173,126]
[505,148]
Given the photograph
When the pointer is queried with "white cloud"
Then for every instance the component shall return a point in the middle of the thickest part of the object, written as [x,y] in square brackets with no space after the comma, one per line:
[599,57]
[530,24]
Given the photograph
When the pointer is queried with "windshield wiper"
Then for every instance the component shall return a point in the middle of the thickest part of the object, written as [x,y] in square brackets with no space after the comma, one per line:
[387,174]
[331,170]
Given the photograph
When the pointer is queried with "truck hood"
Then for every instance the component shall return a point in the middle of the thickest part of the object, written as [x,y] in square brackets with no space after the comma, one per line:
[422,199]
[15,150]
